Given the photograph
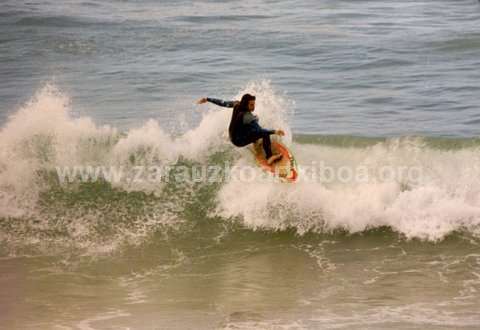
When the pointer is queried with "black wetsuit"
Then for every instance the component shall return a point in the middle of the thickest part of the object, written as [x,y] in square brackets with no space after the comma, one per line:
[249,131]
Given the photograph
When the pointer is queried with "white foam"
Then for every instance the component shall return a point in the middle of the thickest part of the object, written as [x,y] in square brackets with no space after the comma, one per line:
[444,197]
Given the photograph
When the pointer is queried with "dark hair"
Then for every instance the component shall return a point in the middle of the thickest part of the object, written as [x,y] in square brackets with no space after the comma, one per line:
[237,115]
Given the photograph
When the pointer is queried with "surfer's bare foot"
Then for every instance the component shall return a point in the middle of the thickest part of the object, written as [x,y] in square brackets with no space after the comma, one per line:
[274,158]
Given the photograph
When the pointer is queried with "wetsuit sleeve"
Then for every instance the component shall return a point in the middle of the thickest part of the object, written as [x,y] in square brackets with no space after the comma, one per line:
[226,104]
[248,117]
[256,128]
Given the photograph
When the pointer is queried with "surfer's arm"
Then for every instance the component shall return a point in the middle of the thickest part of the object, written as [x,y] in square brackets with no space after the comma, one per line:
[222,103]
[256,128]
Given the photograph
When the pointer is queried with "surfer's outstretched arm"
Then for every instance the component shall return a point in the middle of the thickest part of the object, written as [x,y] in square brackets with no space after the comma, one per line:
[222,103]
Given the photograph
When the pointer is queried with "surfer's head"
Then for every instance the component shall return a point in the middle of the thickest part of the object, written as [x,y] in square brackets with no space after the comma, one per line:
[247,103]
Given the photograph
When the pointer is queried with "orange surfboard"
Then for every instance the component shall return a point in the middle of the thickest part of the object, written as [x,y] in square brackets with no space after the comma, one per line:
[285,168]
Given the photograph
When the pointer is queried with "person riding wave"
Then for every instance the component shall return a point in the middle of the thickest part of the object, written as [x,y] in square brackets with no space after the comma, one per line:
[244,128]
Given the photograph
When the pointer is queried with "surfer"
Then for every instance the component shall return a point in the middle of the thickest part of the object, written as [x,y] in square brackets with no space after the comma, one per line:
[244,128]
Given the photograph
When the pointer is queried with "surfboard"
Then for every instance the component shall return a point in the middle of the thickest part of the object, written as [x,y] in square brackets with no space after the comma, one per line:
[285,168]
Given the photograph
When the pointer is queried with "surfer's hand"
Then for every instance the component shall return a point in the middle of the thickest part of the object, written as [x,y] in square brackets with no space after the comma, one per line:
[202,100]
[280,132]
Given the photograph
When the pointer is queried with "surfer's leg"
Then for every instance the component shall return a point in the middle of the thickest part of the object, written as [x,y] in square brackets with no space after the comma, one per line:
[264,139]
[267,146]
[258,139]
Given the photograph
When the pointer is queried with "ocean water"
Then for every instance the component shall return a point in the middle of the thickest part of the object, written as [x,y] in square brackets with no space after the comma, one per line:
[379,100]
